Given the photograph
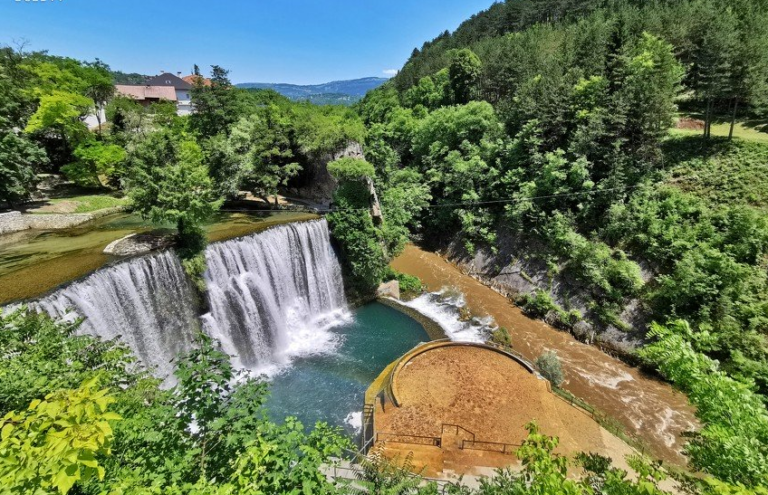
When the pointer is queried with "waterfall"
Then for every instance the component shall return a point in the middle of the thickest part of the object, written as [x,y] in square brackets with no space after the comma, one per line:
[275,295]
[146,302]
[272,296]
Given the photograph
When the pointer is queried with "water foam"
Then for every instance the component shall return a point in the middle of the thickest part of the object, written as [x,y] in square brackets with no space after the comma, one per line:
[146,302]
[355,420]
[275,296]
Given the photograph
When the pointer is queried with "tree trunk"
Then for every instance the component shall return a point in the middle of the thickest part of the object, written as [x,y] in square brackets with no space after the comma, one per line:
[707,118]
[98,117]
[733,118]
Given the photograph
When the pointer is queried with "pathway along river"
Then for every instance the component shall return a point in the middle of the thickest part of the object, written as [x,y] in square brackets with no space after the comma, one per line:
[648,408]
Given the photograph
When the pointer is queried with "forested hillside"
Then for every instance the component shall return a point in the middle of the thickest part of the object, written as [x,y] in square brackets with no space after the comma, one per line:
[549,122]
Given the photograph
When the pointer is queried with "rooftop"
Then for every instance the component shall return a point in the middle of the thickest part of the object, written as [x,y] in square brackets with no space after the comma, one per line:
[168,79]
[147,92]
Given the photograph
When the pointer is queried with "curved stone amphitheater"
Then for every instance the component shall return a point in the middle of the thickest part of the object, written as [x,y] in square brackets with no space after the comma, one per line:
[458,408]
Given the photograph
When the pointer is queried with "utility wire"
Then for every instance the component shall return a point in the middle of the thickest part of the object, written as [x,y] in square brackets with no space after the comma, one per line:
[463,204]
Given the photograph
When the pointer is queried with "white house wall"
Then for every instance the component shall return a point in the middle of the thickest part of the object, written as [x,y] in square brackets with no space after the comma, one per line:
[183,101]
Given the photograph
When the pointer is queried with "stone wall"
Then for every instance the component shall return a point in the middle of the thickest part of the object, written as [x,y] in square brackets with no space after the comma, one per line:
[317,183]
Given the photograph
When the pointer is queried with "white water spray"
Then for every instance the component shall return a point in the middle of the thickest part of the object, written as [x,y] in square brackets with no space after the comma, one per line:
[444,308]
[146,302]
[275,295]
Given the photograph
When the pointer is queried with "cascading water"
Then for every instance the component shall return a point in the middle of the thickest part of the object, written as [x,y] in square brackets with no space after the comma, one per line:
[275,295]
[272,296]
[146,302]
[445,308]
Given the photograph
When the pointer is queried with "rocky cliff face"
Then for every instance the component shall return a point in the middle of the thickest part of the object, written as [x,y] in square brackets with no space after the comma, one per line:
[515,270]
[315,183]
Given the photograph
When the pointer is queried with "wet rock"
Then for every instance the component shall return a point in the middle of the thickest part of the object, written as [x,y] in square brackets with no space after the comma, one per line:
[514,268]
[584,331]
[389,289]
[135,244]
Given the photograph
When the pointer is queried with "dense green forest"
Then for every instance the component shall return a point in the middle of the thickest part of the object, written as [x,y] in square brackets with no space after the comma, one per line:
[548,120]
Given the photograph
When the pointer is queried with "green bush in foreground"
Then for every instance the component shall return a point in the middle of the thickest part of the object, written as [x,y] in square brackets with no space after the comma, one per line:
[56,442]
[733,443]
[69,442]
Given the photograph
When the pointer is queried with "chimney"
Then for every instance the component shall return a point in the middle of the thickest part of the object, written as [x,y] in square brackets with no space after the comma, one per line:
[178,73]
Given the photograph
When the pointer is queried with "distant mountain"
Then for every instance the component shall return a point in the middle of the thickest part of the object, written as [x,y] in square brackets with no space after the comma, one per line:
[336,92]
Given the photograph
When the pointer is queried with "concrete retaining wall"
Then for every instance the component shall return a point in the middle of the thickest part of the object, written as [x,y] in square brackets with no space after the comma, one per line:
[15,221]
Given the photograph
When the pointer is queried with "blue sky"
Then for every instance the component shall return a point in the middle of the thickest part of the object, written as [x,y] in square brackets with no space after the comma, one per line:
[294,41]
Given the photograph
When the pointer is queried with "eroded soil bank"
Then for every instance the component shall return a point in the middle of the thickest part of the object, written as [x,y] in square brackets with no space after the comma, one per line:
[648,408]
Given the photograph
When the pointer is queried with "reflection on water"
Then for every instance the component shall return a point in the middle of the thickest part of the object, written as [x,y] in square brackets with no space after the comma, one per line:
[35,261]
[648,408]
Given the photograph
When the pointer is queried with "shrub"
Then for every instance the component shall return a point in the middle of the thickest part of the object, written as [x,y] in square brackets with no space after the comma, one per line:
[408,283]
[351,169]
[549,367]
[501,337]
[195,267]
[537,304]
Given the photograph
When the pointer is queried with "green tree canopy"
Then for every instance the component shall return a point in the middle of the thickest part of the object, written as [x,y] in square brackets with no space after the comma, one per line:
[464,72]
[168,182]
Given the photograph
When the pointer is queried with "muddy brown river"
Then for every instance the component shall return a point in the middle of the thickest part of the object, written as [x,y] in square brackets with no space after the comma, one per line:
[648,408]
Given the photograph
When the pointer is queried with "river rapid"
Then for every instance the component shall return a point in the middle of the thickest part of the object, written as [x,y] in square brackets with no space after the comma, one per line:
[648,408]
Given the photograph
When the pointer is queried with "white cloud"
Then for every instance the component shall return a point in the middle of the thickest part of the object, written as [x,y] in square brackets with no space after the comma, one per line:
[390,72]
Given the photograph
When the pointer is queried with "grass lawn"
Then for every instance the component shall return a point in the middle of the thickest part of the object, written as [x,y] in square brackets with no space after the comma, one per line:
[749,130]
[87,203]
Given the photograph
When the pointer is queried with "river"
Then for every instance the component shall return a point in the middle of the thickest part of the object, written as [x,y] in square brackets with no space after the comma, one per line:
[33,262]
[648,408]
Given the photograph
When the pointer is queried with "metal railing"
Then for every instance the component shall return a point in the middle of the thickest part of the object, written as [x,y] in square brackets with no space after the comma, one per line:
[369,428]
[458,428]
[465,444]
[502,448]
[409,439]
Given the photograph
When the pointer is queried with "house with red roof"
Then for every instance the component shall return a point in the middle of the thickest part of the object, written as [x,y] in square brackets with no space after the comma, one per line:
[163,87]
